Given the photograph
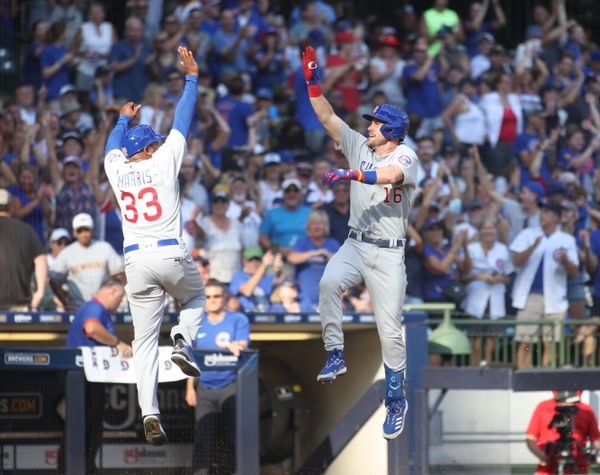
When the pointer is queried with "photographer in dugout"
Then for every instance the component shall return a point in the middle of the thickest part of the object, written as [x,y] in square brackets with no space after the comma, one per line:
[558,433]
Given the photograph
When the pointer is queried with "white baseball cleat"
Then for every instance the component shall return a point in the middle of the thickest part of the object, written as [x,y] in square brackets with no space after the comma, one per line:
[183,357]
[153,430]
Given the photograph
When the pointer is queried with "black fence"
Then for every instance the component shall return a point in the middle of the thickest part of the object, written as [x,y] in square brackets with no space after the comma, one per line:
[33,383]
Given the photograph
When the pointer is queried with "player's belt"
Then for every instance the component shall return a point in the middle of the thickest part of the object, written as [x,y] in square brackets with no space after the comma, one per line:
[160,243]
[377,242]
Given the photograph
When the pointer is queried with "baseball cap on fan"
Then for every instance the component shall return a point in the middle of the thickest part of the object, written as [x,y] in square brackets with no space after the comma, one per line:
[291,182]
[59,233]
[4,197]
[83,220]
[344,37]
[66,89]
[253,252]
[272,159]
[72,159]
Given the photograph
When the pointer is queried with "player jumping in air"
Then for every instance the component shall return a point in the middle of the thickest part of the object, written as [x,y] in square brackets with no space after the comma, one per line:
[143,175]
[383,177]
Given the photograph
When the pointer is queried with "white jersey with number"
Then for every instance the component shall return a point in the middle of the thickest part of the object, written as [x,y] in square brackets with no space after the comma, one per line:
[148,190]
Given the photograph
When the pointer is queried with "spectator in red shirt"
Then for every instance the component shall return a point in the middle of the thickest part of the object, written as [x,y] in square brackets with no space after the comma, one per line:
[344,71]
[541,437]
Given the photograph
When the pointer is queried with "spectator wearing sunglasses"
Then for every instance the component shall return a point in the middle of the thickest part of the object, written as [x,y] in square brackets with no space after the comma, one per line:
[213,393]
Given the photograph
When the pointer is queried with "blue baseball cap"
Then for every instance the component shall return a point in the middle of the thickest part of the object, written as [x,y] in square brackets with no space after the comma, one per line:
[555,188]
[537,189]
[556,208]
[265,93]
[431,223]
[533,31]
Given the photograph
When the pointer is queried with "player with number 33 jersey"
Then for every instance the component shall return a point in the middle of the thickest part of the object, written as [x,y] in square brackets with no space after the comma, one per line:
[143,175]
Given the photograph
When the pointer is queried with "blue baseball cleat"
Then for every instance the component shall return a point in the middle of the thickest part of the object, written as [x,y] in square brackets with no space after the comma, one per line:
[335,366]
[394,420]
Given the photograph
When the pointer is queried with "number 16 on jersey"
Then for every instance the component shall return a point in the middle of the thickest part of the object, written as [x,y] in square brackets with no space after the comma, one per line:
[393,194]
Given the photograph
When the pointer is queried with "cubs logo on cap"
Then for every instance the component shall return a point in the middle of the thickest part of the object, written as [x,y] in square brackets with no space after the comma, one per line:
[394,119]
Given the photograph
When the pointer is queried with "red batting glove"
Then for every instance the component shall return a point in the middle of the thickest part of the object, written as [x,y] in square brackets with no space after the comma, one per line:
[311,71]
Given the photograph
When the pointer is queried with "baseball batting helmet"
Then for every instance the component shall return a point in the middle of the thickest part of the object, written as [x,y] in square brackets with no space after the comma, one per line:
[395,121]
[138,138]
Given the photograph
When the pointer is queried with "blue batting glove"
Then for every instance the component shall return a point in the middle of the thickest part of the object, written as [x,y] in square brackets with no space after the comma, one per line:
[336,174]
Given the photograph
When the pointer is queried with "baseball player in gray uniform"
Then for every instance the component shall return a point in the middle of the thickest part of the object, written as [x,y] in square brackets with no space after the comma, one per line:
[143,174]
[383,173]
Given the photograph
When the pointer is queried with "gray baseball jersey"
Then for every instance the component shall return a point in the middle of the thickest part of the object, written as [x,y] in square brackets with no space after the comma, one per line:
[379,210]
[382,212]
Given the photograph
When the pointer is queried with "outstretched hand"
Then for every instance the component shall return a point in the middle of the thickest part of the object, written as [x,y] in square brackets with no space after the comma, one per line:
[309,65]
[336,174]
[130,109]
[188,62]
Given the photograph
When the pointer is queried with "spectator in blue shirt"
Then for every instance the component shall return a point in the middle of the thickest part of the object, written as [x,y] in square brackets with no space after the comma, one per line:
[55,60]
[271,62]
[32,70]
[236,112]
[252,286]
[442,263]
[526,147]
[284,298]
[476,24]
[30,202]
[128,59]
[92,326]
[102,92]
[314,133]
[284,225]
[310,255]
[232,47]
[421,80]
[214,398]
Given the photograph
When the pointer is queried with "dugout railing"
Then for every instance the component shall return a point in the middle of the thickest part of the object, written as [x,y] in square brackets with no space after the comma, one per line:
[24,361]
[574,342]
[566,350]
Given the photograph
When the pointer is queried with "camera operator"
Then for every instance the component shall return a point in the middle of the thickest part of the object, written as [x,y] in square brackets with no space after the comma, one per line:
[558,432]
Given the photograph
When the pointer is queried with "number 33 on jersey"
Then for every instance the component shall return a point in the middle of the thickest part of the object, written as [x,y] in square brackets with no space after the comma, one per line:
[148,190]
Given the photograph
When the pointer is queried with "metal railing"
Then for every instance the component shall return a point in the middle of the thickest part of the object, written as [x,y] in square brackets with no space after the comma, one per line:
[569,342]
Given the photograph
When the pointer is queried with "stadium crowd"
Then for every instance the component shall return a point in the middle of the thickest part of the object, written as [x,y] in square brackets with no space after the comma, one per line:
[507,136]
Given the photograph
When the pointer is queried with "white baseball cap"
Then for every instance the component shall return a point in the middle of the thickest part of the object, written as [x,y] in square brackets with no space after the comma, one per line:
[291,182]
[83,220]
[66,89]
[59,233]
[4,197]
[271,158]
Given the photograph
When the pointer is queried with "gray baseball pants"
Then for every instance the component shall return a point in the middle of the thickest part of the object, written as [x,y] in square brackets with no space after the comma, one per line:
[384,274]
[150,273]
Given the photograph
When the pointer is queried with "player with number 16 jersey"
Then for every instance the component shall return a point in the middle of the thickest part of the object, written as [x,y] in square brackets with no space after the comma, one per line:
[143,175]
[383,172]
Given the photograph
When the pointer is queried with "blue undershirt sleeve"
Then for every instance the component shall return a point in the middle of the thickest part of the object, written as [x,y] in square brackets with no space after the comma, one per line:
[115,139]
[184,112]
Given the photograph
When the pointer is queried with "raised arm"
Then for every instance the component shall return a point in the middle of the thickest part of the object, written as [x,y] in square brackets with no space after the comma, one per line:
[321,106]
[474,24]
[500,15]
[115,138]
[184,112]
